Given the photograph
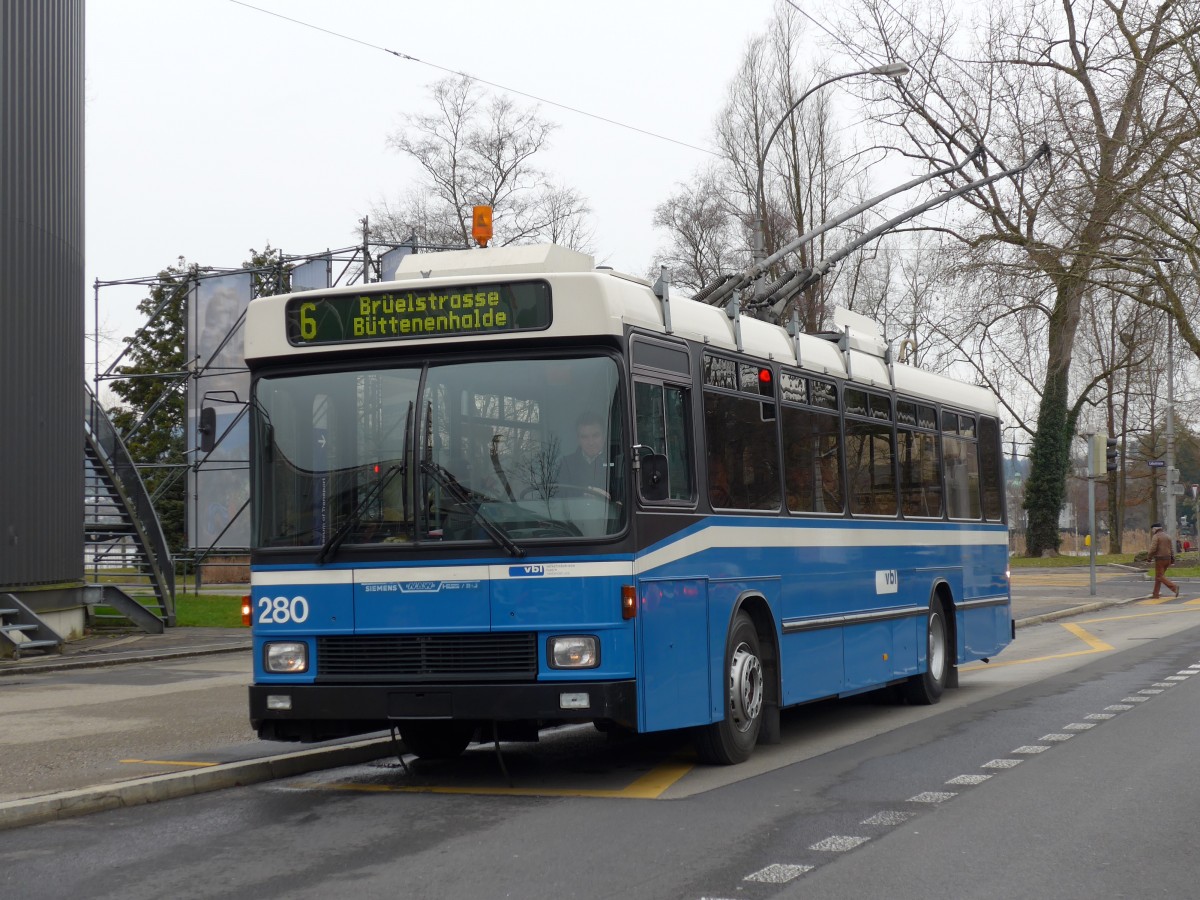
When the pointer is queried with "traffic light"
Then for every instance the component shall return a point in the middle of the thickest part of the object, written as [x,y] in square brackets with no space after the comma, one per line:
[1095,454]
[1111,455]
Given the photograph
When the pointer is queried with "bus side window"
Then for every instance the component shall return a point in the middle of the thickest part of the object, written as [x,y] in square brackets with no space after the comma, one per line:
[743,453]
[661,424]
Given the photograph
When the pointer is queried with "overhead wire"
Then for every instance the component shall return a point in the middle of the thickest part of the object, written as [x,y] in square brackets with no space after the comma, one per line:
[398,54]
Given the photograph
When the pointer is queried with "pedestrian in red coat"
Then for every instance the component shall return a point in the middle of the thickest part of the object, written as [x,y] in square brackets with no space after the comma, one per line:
[1162,554]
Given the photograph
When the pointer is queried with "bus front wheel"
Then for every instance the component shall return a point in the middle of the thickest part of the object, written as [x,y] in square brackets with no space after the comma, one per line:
[926,689]
[732,739]
[436,739]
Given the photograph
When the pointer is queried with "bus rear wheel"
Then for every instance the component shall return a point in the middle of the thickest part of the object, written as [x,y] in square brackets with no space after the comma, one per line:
[926,689]
[732,739]
[429,739]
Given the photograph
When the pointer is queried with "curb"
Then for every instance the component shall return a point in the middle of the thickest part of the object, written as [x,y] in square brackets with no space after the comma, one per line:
[87,662]
[1073,611]
[67,804]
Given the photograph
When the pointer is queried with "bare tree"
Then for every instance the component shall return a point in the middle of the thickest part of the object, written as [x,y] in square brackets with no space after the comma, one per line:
[479,150]
[1111,86]
[702,231]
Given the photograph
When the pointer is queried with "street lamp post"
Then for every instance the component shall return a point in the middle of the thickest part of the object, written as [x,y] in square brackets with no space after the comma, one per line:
[890,70]
[1172,522]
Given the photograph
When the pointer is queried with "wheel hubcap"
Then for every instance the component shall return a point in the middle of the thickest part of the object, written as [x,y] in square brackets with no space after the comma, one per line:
[745,688]
[937,646]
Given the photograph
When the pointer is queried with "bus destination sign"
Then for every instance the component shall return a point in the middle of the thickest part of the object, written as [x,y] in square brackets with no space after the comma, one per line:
[399,314]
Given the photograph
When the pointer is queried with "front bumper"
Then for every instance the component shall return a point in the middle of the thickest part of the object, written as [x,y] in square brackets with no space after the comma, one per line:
[319,712]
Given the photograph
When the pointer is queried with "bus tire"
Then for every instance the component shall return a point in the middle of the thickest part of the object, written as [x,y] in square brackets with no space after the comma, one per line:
[436,739]
[732,739]
[927,688]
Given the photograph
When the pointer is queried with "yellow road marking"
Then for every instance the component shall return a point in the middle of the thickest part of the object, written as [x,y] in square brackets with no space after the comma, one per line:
[1090,639]
[648,787]
[1155,601]
[170,762]
[1145,615]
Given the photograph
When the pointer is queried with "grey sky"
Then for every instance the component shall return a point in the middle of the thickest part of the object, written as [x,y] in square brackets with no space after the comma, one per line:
[213,128]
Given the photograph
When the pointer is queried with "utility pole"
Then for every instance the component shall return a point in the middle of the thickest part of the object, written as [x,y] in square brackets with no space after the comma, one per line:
[1172,522]
[1097,464]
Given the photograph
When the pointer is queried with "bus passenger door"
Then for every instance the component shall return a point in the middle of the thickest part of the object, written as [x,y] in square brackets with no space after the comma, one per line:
[673,653]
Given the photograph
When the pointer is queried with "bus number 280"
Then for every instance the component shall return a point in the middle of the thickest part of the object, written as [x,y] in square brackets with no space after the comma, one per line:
[281,610]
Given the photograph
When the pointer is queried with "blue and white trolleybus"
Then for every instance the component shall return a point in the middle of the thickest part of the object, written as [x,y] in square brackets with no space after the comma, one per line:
[510,490]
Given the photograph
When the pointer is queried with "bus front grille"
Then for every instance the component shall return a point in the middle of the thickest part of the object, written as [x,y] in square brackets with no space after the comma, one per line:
[428,657]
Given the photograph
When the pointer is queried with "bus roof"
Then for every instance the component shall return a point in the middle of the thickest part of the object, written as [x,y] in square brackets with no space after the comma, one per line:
[590,302]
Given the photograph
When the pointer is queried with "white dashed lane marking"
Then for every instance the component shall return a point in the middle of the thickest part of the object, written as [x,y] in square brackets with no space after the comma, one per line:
[1030,749]
[840,843]
[932,797]
[1001,764]
[778,873]
[888,817]
[1059,738]
[969,779]
[1080,726]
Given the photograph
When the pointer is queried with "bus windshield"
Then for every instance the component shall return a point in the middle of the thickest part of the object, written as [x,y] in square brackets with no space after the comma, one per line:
[506,452]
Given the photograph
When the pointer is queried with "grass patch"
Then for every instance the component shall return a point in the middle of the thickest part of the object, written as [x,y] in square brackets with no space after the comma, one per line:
[1190,569]
[199,610]
[208,610]
[1063,562]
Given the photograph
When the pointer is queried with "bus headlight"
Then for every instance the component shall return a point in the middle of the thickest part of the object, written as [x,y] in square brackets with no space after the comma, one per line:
[290,657]
[575,651]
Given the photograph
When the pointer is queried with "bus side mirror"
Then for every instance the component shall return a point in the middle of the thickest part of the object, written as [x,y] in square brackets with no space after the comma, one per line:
[654,477]
[207,428]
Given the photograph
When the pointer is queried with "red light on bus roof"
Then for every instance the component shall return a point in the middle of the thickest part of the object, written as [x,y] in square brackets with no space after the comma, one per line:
[376,468]
[764,376]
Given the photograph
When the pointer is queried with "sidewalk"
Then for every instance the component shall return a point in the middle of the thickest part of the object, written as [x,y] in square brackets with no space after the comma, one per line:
[1054,594]
[119,647]
[1043,595]
[87,783]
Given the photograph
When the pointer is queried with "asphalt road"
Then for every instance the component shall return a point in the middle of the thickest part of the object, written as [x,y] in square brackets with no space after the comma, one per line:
[1111,815]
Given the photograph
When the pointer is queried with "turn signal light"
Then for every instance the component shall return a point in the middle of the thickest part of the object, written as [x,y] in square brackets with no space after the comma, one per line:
[246,611]
[628,601]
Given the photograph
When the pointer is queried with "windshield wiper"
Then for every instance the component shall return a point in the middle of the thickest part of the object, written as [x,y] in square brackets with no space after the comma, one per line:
[465,497]
[336,539]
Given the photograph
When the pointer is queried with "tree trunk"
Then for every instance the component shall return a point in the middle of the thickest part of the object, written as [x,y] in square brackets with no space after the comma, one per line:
[1050,454]
[1049,459]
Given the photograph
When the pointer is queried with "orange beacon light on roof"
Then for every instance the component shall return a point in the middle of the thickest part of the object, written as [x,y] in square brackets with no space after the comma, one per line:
[481,225]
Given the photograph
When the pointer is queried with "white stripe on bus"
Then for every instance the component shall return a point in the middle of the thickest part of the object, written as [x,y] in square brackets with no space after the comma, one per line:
[711,537]
[730,537]
[402,574]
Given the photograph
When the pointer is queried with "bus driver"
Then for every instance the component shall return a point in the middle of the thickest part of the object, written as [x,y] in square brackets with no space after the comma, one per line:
[588,466]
